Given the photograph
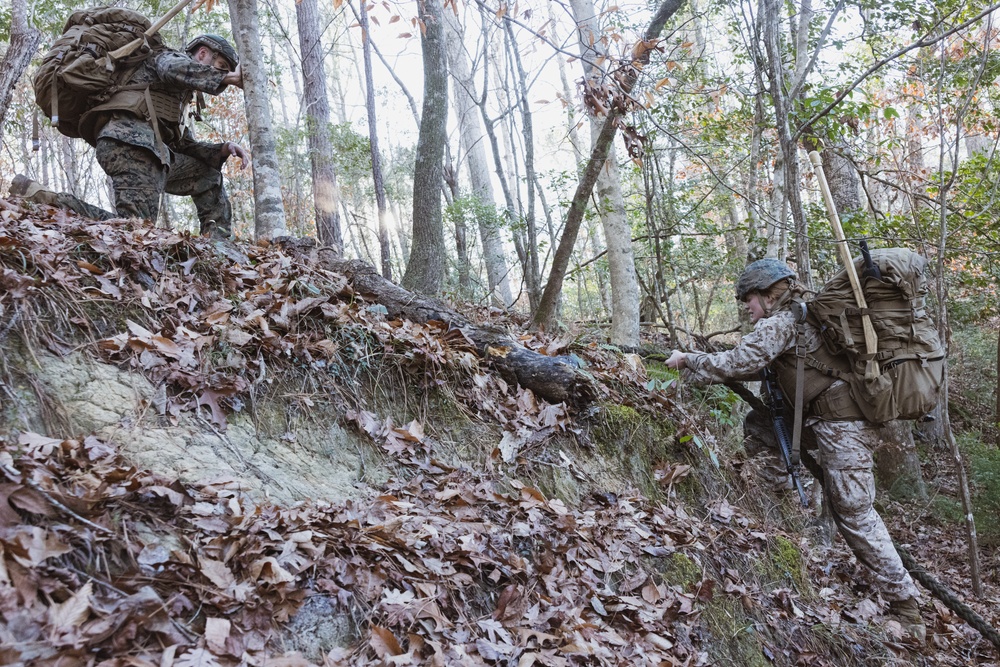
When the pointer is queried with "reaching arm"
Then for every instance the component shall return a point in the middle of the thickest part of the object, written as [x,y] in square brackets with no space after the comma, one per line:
[771,337]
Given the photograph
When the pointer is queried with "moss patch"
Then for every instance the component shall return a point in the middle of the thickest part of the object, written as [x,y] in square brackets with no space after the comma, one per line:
[737,641]
[634,442]
[679,570]
[783,564]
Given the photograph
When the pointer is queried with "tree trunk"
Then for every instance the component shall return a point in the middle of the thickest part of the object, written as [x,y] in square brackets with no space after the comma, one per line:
[897,464]
[610,203]
[425,270]
[269,212]
[383,227]
[474,152]
[24,42]
[317,113]
[545,315]
[527,130]
[770,16]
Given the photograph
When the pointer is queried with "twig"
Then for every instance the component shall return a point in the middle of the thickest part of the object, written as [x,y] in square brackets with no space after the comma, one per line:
[15,476]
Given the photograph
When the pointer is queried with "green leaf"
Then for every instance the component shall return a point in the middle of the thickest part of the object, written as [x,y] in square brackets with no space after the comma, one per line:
[890,112]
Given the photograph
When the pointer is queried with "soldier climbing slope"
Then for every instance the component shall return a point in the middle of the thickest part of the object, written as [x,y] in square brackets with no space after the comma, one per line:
[846,440]
[143,144]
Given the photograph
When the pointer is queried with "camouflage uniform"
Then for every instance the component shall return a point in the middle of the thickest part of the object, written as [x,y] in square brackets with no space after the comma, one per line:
[142,165]
[845,448]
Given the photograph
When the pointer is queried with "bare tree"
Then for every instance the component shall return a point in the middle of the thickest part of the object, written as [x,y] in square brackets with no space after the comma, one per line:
[610,202]
[269,212]
[545,315]
[425,270]
[474,154]
[383,228]
[23,42]
[317,112]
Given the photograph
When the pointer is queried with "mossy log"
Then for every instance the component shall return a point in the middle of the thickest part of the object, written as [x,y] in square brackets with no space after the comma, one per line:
[556,379]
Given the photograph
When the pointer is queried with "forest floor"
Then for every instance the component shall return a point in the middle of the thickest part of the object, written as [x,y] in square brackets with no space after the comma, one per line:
[484,527]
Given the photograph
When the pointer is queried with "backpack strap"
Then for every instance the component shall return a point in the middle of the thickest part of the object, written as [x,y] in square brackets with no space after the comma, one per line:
[153,120]
[800,310]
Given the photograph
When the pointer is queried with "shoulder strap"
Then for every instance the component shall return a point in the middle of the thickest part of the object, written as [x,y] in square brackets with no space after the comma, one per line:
[799,309]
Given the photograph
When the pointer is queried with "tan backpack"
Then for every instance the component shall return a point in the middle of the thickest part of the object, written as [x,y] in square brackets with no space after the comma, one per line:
[76,74]
[910,355]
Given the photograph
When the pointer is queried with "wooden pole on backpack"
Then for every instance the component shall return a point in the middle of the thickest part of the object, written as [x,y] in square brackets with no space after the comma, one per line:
[871,339]
[130,48]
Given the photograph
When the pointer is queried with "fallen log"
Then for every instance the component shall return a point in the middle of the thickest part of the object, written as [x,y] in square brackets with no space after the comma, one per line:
[556,379]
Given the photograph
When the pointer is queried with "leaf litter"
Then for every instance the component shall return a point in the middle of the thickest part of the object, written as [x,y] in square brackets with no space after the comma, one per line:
[105,564]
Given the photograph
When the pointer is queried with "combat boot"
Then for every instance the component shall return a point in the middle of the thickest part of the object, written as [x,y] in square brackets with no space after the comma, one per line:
[908,613]
[24,187]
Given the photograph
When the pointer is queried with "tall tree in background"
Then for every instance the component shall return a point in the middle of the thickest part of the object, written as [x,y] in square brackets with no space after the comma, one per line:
[383,227]
[610,203]
[472,142]
[269,211]
[545,315]
[317,113]
[425,270]
[770,17]
[23,42]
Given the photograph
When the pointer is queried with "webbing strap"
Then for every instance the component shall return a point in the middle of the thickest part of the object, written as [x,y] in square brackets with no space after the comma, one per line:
[154,121]
[800,380]
[55,101]
[845,327]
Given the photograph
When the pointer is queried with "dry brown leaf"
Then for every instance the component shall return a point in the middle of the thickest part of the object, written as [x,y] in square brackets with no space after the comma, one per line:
[73,612]
[384,642]
[197,657]
[217,572]
[216,633]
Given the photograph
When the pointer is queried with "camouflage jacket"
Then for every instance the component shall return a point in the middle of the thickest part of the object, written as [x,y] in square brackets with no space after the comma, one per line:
[771,337]
[174,76]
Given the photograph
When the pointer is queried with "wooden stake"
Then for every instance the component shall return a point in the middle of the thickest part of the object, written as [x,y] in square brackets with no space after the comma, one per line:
[130,48]
[871,339]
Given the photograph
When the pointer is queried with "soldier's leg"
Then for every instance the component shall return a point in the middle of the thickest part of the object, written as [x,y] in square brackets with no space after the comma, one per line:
[191,177]
[137,176]
[846,453]
[30,190]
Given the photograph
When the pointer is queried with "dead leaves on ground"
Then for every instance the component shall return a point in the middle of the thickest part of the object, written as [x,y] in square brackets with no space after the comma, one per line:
[99,560]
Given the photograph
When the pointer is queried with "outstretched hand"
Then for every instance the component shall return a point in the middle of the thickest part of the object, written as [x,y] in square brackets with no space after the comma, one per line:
[677,360]
[233,148]
[234,78]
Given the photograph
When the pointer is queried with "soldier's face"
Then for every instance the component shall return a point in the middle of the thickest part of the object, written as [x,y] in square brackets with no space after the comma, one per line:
[755,306]
[207,56]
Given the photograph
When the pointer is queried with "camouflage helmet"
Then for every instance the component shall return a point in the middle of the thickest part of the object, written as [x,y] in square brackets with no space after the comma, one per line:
[217,44]
[760,275]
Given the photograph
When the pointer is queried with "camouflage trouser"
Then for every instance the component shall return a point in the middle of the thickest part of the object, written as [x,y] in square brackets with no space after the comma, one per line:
[139,178]
[845,454]
[71,202]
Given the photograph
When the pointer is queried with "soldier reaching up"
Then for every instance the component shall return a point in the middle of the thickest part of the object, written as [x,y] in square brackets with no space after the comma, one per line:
[142,142]
[845,438]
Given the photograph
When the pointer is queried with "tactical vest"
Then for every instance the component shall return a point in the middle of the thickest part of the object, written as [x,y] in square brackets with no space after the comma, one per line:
[163,109]
[820,370]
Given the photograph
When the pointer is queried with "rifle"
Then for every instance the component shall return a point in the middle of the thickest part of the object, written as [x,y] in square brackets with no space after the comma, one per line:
[777,407]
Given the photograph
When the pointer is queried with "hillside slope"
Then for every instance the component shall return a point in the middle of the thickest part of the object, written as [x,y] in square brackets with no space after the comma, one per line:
[216,459]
